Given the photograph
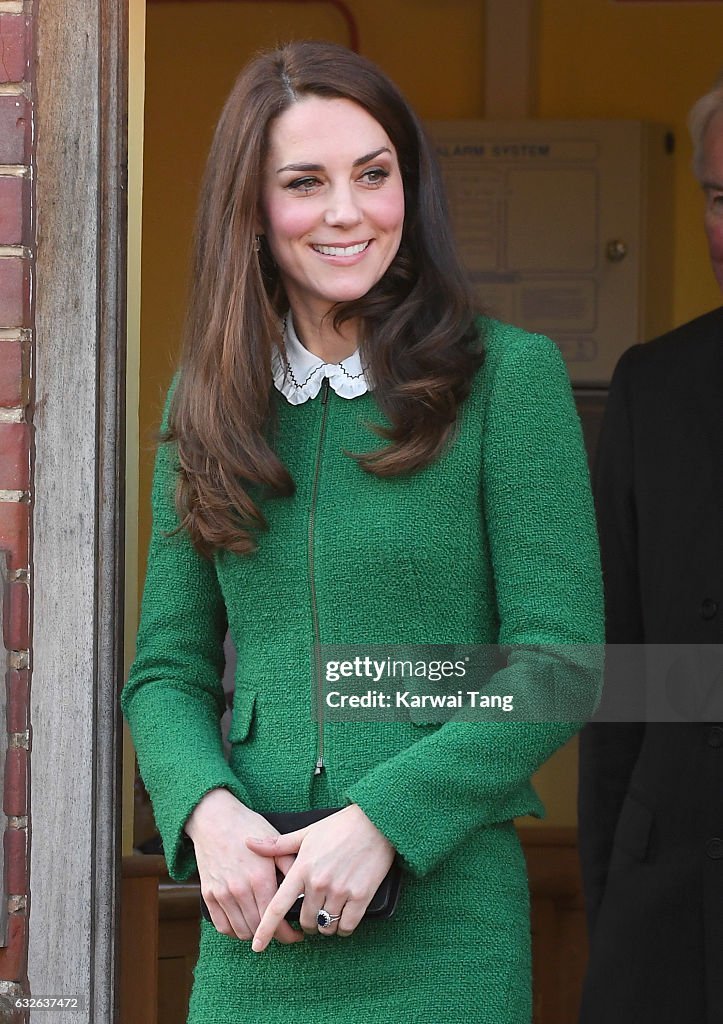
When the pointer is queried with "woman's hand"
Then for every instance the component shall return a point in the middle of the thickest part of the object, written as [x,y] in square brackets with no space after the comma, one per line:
[339,865]
[236,883]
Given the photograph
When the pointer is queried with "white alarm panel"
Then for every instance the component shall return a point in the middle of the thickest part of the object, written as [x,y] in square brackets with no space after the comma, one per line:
[566,228]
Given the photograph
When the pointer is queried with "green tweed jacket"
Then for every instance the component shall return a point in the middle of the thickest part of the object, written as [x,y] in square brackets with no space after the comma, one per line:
[494,542]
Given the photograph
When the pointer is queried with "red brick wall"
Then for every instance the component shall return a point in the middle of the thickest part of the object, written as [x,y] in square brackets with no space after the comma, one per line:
[16,440]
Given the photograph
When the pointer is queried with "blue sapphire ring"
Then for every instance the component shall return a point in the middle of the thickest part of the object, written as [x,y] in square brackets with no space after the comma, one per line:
[324,918]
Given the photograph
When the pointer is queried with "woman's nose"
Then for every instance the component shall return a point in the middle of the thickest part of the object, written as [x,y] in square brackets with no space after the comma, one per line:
[342,209]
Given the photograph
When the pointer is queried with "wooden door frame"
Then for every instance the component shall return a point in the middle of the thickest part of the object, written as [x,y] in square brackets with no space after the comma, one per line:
[78,543]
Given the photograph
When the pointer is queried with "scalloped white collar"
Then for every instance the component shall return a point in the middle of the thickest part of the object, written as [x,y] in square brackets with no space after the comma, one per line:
[298,374]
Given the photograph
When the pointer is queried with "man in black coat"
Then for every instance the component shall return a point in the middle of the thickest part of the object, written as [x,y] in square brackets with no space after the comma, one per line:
[651,794]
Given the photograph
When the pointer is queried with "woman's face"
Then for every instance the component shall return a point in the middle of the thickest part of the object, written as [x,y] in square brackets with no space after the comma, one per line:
[332,202]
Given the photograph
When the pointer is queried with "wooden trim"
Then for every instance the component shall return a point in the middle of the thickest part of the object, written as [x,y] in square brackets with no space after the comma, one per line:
[548,835]
[78,540]
[139,938]
[144,865]
[553,865]
[179,902]
[559,939]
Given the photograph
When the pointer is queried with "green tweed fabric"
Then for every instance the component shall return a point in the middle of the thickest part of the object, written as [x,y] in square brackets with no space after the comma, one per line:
[495,542]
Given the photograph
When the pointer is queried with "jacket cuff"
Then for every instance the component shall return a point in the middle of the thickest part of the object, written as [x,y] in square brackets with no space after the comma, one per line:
[417,818]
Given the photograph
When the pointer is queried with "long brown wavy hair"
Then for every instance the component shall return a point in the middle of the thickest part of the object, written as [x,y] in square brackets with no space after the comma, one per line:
[418,336]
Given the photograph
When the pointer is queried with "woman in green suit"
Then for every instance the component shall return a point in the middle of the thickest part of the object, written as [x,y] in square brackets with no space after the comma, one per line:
[352,457]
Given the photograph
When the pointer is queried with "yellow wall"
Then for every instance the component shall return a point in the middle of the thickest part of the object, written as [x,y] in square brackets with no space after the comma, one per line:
[597,58]
[646,61]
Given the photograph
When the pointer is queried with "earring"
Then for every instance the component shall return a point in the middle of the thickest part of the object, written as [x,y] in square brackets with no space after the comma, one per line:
[257,243]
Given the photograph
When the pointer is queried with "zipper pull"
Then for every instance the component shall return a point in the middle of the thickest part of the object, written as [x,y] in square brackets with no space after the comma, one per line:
[325,391]
[319,768]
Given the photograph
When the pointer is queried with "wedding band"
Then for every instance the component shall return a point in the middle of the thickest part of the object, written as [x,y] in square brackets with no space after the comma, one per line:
[324,918]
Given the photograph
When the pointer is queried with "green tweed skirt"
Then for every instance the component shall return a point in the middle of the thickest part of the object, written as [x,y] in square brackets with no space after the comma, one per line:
[457,951]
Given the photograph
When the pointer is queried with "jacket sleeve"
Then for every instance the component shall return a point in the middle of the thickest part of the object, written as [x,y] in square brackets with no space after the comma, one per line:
[174,699]
[609,748]
[538,510]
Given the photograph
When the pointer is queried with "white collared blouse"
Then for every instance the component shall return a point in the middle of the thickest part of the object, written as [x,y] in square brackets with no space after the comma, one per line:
[298,373]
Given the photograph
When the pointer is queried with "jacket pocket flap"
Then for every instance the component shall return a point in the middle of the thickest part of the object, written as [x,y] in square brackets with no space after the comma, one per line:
[244,704]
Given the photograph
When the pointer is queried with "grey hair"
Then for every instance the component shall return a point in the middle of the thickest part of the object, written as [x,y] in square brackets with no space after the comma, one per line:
[288,87]
[700,116]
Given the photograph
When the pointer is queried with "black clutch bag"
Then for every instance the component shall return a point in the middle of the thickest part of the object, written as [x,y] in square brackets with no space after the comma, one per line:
[385,899]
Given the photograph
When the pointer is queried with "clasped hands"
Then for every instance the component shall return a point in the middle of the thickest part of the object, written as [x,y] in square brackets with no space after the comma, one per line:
[338,864]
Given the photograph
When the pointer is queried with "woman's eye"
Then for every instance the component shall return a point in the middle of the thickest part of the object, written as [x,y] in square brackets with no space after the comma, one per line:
[302,184]
[375,175]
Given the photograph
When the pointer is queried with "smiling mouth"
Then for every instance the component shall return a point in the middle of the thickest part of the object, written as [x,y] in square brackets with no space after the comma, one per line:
[341,250]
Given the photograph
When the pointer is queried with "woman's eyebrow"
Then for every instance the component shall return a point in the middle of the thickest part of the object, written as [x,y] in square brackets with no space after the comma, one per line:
[319,167]
[300,167]
[371,156]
